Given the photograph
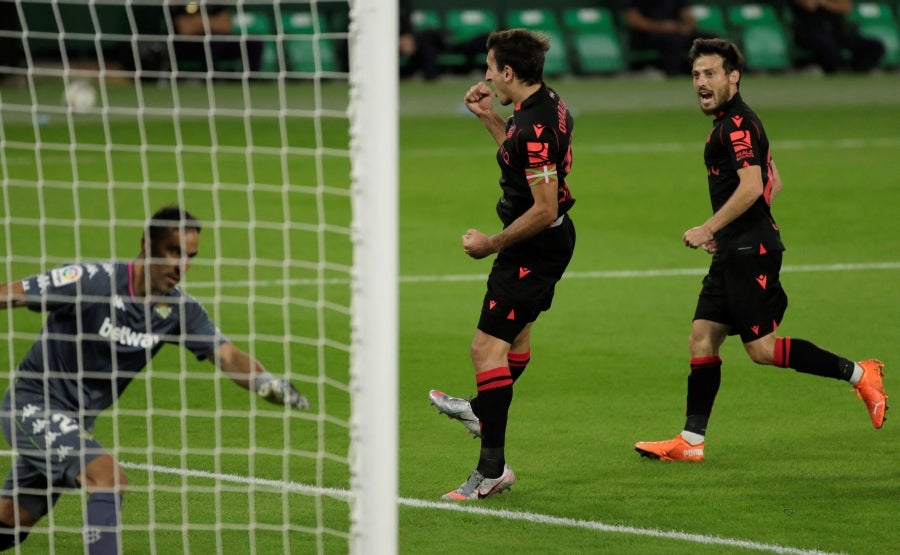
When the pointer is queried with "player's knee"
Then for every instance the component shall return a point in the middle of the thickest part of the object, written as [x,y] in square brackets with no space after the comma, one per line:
[10,515]
[476,352]
[699,345]
[117,481]
[759,352]
[122,483]
[762,350]
[104,474]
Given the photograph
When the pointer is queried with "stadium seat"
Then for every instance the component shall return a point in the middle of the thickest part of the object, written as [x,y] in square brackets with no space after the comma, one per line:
[301,42]
[710,19]
[426,20]
[248,22]
[761,35]
[876,20]
[464,25]
[557,58]
[595,41]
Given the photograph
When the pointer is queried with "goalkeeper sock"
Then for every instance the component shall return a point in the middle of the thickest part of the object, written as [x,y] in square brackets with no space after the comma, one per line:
[9,538]
[101,534]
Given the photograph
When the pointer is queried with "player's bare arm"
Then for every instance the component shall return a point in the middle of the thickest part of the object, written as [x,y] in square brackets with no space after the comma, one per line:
[537,218]
[479,100]
[776,182]
[748,191]
[194,24]
[249,373]
[12,295]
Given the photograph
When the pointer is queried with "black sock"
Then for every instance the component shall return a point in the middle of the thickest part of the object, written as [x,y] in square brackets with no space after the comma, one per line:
[703,385]
[517,363]
[495,393]
[493,411]
[491,462]
[805,357]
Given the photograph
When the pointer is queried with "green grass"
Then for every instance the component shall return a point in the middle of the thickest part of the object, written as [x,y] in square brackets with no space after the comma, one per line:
[791,460]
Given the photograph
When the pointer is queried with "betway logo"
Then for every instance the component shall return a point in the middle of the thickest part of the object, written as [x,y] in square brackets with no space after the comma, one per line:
[126,336]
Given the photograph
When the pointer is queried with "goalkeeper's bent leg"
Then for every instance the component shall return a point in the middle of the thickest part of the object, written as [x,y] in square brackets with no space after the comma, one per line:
[9,538]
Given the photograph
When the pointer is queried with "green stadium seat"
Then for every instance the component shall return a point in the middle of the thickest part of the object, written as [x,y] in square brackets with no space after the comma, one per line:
[249,22]
[544,20]
[710,19]
[594,40]
[301,43]
[761,36]
[464,25]
[875,20]
[426,20]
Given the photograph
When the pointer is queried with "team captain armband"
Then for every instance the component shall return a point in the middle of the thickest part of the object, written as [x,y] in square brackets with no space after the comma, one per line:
[542,174]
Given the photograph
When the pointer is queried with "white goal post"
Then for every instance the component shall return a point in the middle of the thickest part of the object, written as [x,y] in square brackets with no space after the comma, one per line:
[286,151]
[374,360]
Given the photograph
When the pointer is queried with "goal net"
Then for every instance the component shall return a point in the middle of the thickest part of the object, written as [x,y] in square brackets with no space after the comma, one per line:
[279,134]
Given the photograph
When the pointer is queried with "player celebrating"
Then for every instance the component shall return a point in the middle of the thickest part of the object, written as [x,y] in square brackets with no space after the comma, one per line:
[742,293]
[533,249]
[105,322]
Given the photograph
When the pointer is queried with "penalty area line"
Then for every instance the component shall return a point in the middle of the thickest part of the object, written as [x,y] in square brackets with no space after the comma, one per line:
[534,518]
[598,274]
[666,272]
[613,528]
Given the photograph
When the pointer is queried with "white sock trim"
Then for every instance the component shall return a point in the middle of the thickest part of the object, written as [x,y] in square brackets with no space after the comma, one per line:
[857,374]
[692,437]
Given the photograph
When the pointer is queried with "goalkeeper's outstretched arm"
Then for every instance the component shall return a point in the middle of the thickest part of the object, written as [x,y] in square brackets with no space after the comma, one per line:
[12,295]
[249,373]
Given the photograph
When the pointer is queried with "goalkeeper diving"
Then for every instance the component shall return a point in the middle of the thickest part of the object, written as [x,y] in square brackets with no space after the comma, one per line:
[105,321]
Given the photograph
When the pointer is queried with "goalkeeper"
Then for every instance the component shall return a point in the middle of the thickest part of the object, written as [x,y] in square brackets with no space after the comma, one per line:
[105,321]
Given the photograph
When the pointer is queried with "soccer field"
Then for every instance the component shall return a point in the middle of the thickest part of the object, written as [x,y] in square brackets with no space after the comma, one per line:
[792,462]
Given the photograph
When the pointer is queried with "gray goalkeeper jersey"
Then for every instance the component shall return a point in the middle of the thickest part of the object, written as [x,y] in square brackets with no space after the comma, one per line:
[97,336]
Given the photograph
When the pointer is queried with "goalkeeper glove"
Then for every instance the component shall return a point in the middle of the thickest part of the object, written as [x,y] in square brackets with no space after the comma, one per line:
[279,391]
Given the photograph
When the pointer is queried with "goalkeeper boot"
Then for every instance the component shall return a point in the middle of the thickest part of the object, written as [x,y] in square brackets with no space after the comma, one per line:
[457,409]
[871,390]
[479,487]
[677,449]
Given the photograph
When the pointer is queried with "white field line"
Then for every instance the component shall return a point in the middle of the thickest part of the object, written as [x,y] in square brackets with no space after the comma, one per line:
[598,274]
[620,274]
[62,157]
[651,148]
[534,518]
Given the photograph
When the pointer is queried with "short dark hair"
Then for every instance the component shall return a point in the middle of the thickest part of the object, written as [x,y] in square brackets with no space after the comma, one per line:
[167,218]
[522,50]
[732,57]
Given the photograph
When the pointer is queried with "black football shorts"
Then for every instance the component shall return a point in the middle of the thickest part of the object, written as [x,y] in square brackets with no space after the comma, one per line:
[523,281]
[744,292]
